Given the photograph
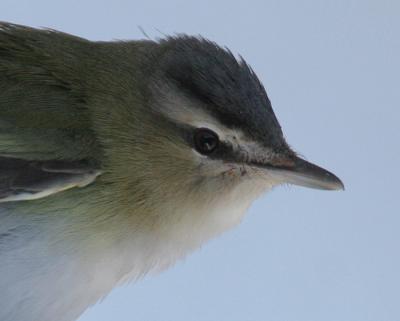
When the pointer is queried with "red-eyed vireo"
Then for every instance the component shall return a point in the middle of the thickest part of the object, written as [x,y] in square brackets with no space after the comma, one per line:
[118,158]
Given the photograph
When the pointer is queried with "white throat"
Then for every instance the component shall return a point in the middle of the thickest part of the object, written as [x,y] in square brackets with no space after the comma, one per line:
[79,273]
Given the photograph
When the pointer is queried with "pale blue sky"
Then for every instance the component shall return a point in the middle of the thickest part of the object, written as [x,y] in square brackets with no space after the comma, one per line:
[332,71]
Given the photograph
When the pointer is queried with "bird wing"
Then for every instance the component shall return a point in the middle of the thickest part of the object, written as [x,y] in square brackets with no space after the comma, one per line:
[26,180]
[46,141]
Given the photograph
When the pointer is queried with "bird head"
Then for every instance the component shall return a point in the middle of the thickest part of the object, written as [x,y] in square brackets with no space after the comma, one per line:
[205,128]
[216,126]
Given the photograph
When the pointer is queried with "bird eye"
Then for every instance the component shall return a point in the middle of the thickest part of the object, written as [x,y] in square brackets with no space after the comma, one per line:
[205,141]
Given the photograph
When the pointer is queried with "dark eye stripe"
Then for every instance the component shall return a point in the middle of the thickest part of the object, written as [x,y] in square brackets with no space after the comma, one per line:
[224,152]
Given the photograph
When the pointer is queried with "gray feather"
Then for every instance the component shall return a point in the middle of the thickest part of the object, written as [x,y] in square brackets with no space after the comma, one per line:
[25,180]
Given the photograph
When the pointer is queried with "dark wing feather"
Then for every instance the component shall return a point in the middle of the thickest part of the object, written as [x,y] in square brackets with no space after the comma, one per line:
[46,136]
[25,180]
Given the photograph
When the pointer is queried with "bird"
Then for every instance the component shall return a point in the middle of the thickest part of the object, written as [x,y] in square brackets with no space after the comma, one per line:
[119,158]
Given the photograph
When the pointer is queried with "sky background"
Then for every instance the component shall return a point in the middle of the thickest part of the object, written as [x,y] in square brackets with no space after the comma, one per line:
[332,72]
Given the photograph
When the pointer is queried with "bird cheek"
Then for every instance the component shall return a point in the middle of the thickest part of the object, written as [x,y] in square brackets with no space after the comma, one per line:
[229,172]
[233,171]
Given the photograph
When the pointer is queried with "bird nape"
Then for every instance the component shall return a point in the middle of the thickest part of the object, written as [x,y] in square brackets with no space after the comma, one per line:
[119,158]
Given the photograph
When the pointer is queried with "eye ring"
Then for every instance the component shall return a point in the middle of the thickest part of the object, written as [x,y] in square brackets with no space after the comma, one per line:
[205,141]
